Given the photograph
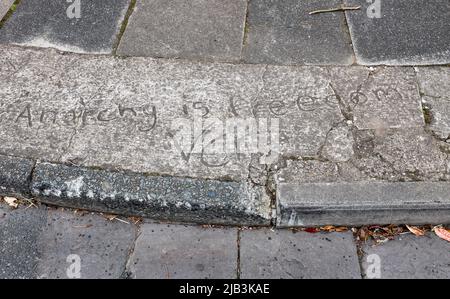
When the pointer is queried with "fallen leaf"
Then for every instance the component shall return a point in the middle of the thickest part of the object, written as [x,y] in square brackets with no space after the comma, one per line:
[11,201]
[416,231]
[312,230]
[442,233]
[328,228]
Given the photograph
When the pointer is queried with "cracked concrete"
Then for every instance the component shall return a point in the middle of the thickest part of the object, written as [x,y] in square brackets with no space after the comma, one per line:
[336,124]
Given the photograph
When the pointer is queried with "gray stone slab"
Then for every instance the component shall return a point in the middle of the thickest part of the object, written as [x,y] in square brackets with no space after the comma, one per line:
[266,254]
[15,175]
[95,111]
[181,252]
[51,24]
[435,90]
[359,203]
[388,99]
[193,29]
[422,38]
[283,32]
[102,246]
[409,257]
[19,233]
[192,200]
[5,5]
[37,243]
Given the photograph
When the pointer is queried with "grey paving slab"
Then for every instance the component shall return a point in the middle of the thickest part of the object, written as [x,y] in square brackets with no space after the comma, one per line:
[422,38]
[266,254]
[19,233]
[15,175]
[283,32]
[365,202]
[408,257]
[5,5]
[167,198]
[100,246]
[57,24]
[388,99]
[435,89]
[181,252]
[94,111]
[192,29]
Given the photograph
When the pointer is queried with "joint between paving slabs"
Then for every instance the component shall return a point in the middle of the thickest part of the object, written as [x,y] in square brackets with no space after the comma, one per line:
[347,32]
[10,12]
[124,25]
[126,273]
[246,30]
[238,262]
[427,112]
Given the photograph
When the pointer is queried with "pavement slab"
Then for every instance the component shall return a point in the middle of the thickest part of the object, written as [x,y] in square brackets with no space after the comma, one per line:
[435,90]
[267,254]
[5,5]
[19,232]
[101,246]
[94,111]
[74,26]
[400,32]
[408,257]
[189,29]
[47,243]
[283,32]
[181,252]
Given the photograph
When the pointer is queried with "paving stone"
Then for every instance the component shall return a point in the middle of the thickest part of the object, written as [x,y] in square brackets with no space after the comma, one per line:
[103,246]
[434,85]
[193,29]
[15,175]
[5,5]
[19,232]
[365,202]
[53,24]
[388,98]
[283,32]
[282,254]
[168,198]
[181,252]
[94,111]
[422,38]
[409,257]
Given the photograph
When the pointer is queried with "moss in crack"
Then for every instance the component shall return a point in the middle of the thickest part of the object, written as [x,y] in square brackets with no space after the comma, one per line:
[124,25]
[428,117]
[9,13]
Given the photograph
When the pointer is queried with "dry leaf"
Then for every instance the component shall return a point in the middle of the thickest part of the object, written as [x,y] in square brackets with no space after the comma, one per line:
[12,202]
[442,233]
[416,231]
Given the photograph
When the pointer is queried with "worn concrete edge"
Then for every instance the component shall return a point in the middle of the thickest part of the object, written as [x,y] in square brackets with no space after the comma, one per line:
[25,178]
[300,212]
